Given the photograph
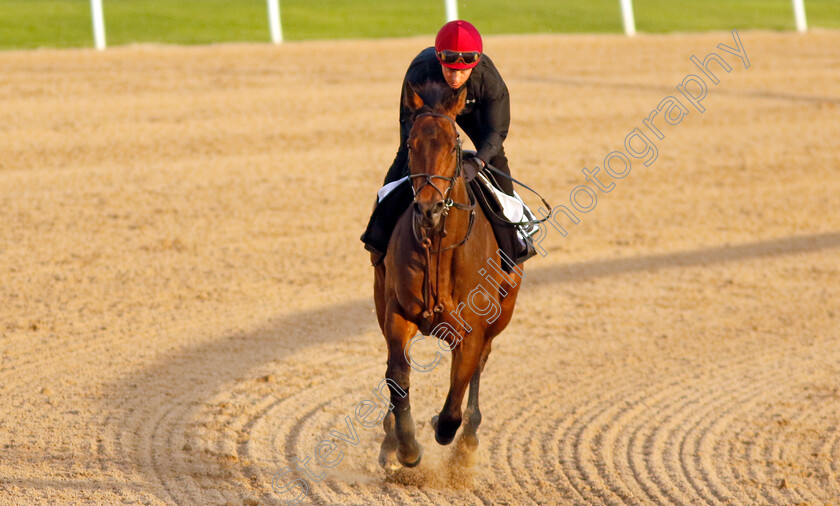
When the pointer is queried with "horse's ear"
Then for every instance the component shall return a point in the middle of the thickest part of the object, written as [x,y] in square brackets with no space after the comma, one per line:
[456,104]
[412,100]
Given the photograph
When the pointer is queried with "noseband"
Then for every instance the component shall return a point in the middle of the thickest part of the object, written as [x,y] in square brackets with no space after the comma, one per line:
[430,296]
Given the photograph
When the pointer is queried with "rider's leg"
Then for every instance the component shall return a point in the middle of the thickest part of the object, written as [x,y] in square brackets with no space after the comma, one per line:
[385,213]
[398,170]
[509,239]
[500,162]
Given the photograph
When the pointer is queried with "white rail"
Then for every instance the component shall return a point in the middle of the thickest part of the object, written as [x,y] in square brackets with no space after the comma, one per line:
[98,24]
[627,16]
[799,14]
[274,21]
[451,10]
[451,14]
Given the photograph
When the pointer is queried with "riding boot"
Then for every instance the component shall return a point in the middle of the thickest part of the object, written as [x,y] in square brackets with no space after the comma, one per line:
[513,243]
[527,247]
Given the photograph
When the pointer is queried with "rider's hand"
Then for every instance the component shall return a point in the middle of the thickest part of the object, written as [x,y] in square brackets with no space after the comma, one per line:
[472,167]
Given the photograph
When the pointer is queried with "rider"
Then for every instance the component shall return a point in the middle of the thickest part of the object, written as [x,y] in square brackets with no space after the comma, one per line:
[457,60]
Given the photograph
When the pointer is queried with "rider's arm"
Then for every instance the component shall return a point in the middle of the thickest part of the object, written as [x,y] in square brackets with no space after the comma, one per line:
[417,72]
[495,117]
[398,167]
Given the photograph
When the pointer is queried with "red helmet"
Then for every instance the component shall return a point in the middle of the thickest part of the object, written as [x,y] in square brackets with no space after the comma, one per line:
[458,45]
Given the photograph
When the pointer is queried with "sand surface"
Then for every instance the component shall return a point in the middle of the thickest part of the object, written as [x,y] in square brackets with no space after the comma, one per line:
[185,306]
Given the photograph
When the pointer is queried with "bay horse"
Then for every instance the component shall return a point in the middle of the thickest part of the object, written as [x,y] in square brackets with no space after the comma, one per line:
[442,274]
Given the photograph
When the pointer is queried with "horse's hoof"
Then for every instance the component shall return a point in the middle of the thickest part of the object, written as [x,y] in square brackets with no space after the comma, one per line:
[388,460]
[464,454]
[407,462]
[435,422]
[444,439]
[468,442]
[445,432]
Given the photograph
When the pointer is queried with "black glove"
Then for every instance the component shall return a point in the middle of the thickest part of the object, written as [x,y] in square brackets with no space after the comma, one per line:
[472,167]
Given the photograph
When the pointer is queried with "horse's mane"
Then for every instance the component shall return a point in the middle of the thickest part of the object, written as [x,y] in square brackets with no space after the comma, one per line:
[435,95]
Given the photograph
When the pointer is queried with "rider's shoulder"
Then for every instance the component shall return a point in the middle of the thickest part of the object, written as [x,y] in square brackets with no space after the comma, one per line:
[424,57]
[423,66]
[487,67]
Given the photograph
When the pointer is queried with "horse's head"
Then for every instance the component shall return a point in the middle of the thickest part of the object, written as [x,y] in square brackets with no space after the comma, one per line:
[434,149]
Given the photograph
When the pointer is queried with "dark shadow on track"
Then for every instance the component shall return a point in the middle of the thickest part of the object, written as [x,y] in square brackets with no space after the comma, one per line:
[705,256]
[181,383]
[671,90]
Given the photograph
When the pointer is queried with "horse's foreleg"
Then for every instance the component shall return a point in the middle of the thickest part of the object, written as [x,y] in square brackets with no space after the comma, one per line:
[388,450]
[398,331]
[472,414]
[379,295]
[465,360]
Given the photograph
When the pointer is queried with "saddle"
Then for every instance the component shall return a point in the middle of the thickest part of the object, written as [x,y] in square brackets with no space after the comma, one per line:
[512,221]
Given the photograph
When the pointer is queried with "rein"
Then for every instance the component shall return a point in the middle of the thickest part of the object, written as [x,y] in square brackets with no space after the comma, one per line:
[430,295]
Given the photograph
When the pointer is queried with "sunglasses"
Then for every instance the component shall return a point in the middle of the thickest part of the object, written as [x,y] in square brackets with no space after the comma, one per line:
[455,57]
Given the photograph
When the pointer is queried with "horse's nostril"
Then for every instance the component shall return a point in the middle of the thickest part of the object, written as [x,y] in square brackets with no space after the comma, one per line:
[430,212]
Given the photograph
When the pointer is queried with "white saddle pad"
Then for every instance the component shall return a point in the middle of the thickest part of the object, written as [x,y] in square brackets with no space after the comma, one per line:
[388,188]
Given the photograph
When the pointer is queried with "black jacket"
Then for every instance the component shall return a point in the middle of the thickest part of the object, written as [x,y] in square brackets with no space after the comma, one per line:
[485,118]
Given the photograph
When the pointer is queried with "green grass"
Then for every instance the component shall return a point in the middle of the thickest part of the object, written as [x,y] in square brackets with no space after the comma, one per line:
[652,16]
[35,23]
[669,16]
[66,23]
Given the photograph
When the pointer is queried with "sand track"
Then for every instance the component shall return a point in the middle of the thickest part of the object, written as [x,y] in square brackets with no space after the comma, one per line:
[186,307]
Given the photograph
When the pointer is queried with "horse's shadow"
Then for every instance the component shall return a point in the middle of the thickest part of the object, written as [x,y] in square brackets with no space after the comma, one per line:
[148,410]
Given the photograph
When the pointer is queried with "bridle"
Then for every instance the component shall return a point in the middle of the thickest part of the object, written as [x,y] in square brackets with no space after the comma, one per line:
[430,296]
[448,203]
